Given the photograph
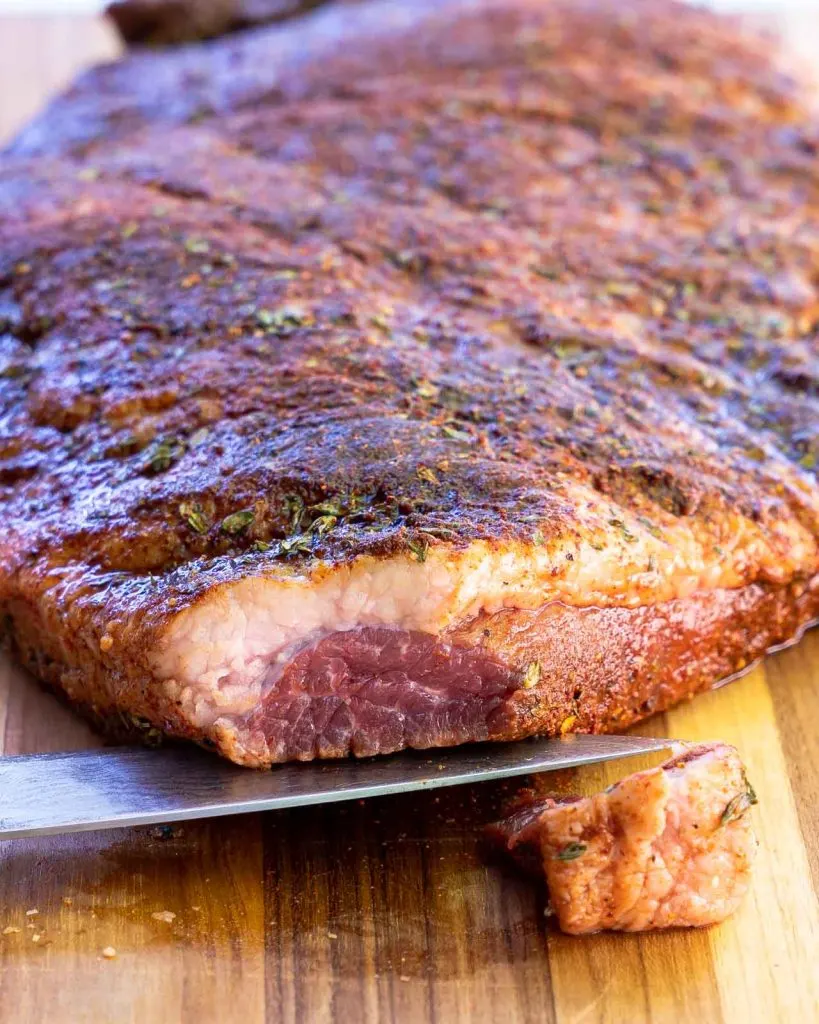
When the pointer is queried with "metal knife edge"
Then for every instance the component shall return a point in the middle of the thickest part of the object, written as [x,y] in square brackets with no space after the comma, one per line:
[52,793]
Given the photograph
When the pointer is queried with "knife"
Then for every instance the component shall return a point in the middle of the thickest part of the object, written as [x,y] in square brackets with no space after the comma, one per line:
[43,794]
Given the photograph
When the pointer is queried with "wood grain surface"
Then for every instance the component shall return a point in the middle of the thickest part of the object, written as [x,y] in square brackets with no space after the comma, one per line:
[387,910]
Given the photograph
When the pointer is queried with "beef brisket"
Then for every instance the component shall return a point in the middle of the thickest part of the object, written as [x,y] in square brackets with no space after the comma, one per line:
[412,374]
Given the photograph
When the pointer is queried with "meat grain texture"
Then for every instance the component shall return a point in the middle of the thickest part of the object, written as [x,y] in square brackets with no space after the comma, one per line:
[411,374]
[665,848]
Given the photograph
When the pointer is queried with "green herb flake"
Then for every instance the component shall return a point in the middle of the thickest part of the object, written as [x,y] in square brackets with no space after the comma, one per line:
[425,389]
[13,371]
[455,434]
[194,517]
[323,524]
[238,521]
[621,289]
[197,246]
[281,321]
[427,475]
[531,677]
[419,549]
[571,851]
[736,807]
[294,510]
[261,546]
[808,461]
[162,456]
[542,270]
[299,543]
[329,507]
[626,534]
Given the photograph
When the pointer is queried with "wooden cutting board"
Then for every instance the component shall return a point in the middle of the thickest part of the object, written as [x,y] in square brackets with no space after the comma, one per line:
[388,910]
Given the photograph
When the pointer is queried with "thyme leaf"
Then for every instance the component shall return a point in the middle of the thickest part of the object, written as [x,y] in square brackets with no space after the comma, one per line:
[194,517]
[238,521]
[736,807]
[294,510]
[427,475]
[323,524]
[419,549]
[571,851]
[282,321]
[455,434]
[162,455]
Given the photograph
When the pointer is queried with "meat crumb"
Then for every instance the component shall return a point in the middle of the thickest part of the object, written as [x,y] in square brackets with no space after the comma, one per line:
[166,916]
[109,953]
[32,913]
[11,930]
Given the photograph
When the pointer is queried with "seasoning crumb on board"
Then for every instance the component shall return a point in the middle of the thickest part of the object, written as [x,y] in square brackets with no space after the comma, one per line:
[109,953]
[11,930]
[166,916]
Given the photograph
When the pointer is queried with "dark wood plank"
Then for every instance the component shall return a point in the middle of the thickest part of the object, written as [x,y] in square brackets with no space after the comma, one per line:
[391,910]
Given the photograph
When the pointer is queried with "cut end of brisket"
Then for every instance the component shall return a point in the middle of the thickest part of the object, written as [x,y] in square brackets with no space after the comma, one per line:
[513,673]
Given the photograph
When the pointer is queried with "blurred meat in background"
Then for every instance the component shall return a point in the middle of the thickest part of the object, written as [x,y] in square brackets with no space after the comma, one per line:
[165,22]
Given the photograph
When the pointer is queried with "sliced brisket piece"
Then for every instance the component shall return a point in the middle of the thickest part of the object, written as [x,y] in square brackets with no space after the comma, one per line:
[666,848]
[469,395]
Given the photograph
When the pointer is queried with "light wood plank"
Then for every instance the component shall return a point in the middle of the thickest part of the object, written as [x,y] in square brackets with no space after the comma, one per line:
[794,685]
[774,938]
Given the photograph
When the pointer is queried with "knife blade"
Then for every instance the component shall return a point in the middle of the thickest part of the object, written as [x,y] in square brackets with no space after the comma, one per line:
[44,794]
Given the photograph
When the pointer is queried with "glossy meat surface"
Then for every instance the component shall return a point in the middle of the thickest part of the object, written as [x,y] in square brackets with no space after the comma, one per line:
[406,317]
